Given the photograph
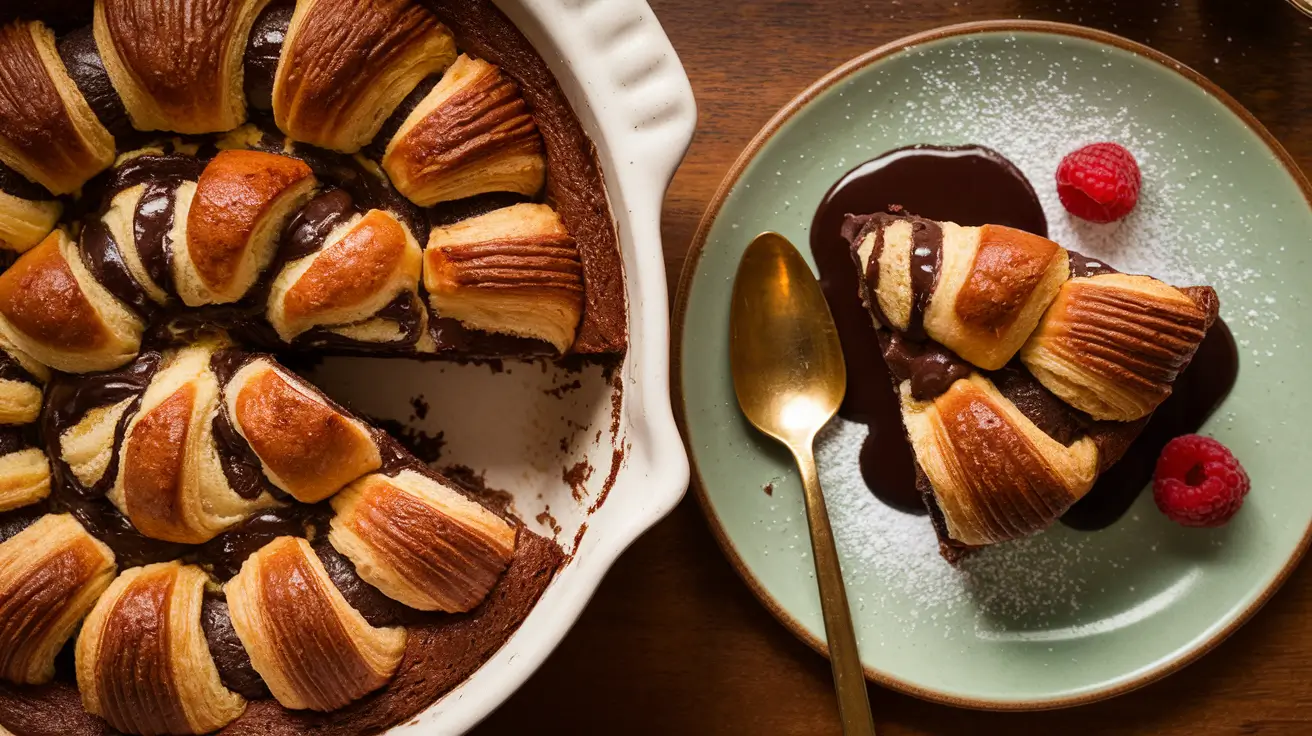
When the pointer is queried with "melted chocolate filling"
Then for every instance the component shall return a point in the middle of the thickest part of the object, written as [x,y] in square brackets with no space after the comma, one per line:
[224,554]
[377,609]
[234,664]
[930,367]
[13,439]
[150,227]
[308,230]
[263,49]
[145,169]
[82,58]
[17,185]
[12,370]
[367,190]
[1082,266]
[15,521]
[102,257]
[449,213]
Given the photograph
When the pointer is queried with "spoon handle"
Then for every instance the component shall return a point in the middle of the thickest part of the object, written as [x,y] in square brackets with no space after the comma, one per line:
[849,679]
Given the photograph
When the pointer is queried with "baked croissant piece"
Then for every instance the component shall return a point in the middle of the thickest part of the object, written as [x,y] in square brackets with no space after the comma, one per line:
[363,265]
[978,291]
[1024,370]
[24,472]
[1111,345]
[177,64]
[308,447]
[346,65]
[996,475]
[420,542]
[142,660]
[51,574]
[470,135]
[27,211]
[48,133]
[171,482]
[234,218]
[311,647]
[515,271]
[22,383]
[54,310]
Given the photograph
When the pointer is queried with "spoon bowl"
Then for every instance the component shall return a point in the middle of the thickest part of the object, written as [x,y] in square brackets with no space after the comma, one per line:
[787,363]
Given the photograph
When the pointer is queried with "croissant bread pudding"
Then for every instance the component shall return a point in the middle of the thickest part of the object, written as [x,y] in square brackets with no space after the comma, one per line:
[1024,370]
[193,538]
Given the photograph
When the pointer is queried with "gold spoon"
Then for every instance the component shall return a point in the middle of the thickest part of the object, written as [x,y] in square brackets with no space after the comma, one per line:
[789,376]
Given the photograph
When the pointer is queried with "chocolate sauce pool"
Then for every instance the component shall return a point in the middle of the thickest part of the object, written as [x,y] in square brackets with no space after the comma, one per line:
[973,185]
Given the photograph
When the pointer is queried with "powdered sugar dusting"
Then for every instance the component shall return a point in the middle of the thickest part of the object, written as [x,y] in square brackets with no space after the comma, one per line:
[969,94]
[1025,582]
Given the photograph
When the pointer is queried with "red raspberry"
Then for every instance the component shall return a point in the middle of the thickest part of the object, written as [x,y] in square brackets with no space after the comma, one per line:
[1198,482]
[1099,182]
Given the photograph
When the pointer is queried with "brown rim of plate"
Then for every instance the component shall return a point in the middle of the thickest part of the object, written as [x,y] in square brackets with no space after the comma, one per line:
[699,242]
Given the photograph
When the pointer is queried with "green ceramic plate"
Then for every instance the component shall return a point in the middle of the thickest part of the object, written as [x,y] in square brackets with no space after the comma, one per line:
[1066,617]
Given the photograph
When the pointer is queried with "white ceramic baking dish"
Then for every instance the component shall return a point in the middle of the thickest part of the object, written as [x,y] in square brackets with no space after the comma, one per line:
[631,93]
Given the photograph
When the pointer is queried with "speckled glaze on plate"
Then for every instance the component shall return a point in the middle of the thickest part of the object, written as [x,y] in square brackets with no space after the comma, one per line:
[1067,617]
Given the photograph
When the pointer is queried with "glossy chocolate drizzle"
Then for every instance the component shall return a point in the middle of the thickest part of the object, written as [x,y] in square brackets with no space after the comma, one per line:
[971,185]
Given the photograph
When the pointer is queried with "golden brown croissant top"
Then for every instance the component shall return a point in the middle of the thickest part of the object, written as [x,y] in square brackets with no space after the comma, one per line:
[48,133]
[177,64]
[346,65]
[149,622]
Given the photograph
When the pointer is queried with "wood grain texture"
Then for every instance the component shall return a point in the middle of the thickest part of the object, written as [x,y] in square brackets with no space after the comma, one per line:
[673,642]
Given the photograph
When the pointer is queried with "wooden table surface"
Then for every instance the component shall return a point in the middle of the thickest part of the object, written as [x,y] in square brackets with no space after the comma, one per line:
[673,642]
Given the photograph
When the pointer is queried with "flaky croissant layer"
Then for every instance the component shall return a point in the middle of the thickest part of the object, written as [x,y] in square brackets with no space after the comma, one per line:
[312,649]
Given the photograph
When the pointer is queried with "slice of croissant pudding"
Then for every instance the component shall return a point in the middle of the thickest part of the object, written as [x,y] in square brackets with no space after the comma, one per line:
[1024,371]
[149,621]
